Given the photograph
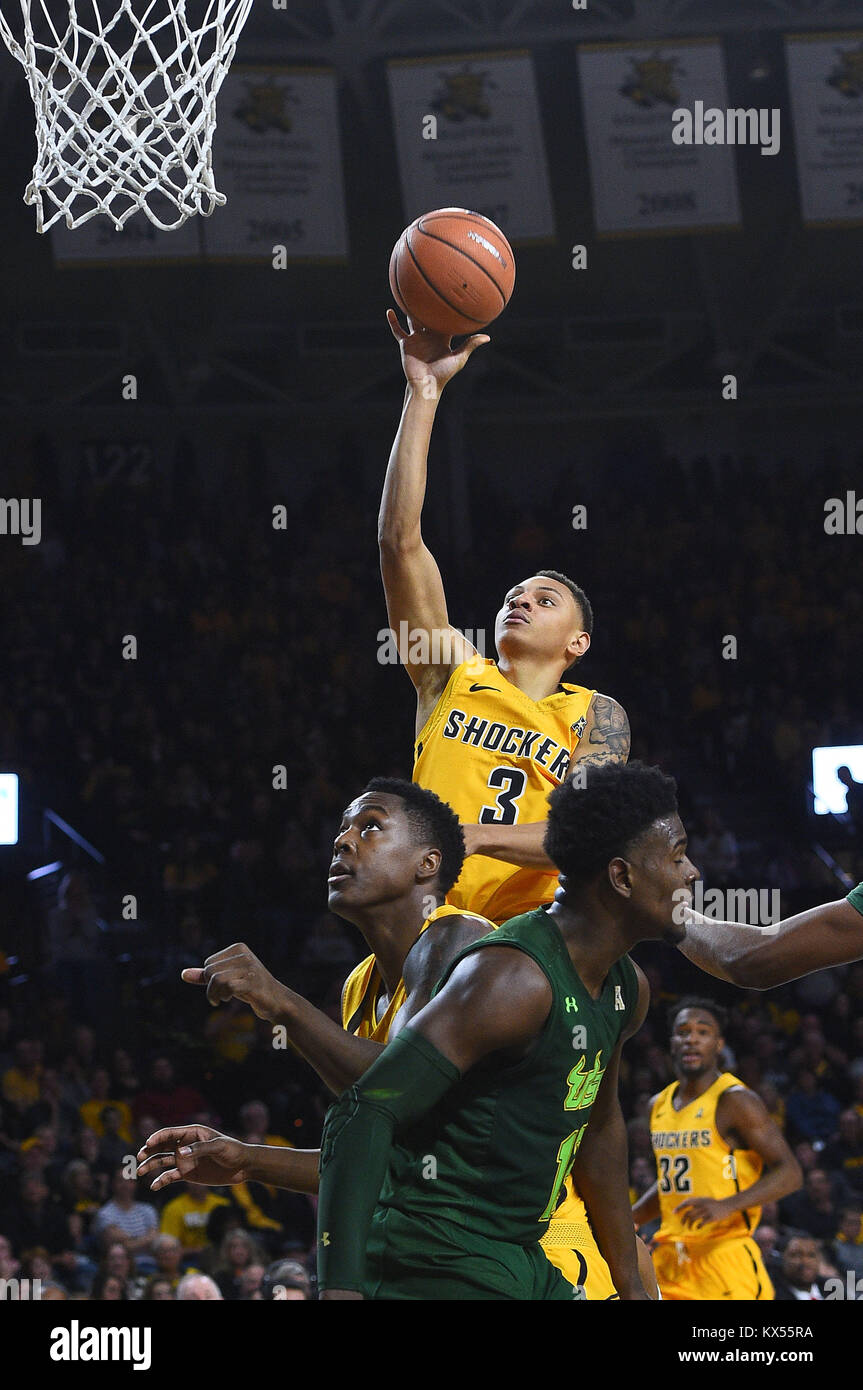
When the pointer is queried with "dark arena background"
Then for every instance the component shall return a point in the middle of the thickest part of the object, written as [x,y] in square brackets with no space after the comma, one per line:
[194,676]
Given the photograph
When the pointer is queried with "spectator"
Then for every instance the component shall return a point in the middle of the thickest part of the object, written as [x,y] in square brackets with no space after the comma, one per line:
[186,1216]
[167,1102]
[107,1288]
[168,1254]
[812,1112]
[767,1239]
[117,1263]
[198,1288]
[237,1252]
[797,1278]
[158,1289]
[813,1210]
[35,1219]
[847,1248]
[250,1283]
[92,1110]
[21,1083]
[286,1281]
[845,1153]
[126,1219]
[113,1147]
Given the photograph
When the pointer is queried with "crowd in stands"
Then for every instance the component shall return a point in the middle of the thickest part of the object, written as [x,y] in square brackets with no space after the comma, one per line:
[210,772]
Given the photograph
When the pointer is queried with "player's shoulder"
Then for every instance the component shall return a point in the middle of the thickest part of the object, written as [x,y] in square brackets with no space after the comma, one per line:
[734,1094]
[509,967]
[439,944]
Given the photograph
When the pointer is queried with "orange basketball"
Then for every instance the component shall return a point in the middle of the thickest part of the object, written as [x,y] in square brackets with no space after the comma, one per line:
[452,271]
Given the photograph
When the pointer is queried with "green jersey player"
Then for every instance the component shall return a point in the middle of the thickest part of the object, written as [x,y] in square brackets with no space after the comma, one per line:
[441,1168]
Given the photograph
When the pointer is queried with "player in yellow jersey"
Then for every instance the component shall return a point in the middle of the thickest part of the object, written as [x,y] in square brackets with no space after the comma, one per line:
[719,1158]
[493,738]
[398,850]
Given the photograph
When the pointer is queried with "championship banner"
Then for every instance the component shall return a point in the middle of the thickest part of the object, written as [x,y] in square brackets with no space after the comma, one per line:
[825,79]
[642,179]
[277,157]
[469,135]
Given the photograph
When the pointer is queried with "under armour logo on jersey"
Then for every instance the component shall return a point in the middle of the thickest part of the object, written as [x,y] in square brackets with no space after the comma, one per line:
[571,1005]
[579,726]
[325,1238]
[699,1113]
[618,998]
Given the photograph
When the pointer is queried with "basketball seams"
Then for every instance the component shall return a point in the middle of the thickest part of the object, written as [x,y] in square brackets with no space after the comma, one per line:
[434,289]
[395,269]
[468,257]
[463,215]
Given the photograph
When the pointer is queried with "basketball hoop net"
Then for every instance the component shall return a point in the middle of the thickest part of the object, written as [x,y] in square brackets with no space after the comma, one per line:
[125,106]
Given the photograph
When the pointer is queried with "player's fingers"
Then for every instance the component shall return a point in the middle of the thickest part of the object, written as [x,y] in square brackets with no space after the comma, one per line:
[193,975]
[172,1136]
[236,950]
[155,1163]
[165,1179]
[395,327]
[477,340]
[221,987]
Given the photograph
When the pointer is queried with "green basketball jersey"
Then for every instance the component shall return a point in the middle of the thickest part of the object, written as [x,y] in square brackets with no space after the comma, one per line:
[493,1156]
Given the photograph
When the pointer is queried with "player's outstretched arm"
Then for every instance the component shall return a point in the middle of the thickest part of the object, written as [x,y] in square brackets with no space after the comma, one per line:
[196,1153]
[606,739]
[470,1018]
[236,973]
[601,1170]
[762,957]
[743,1121]
[416,603]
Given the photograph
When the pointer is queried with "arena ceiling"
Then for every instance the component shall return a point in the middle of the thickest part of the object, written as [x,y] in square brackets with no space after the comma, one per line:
[648,330]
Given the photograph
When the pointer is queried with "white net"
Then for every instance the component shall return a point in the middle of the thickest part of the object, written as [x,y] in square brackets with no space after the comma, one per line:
[125,105]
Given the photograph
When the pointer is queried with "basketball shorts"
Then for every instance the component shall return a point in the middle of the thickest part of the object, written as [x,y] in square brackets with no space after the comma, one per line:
[725,1270]
[570,1246]
[422,1258]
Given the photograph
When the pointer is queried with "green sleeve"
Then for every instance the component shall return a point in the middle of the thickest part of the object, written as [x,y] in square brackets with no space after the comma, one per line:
[855,897]
[407,1080]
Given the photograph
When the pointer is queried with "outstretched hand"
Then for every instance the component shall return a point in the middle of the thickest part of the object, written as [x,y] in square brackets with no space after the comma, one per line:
[192,1153]
[428,358]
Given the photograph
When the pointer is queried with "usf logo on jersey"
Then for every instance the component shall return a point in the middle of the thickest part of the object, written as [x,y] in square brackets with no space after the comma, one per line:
[583,1084]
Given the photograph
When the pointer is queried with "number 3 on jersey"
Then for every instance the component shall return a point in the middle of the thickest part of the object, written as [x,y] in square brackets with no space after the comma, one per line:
[511,782]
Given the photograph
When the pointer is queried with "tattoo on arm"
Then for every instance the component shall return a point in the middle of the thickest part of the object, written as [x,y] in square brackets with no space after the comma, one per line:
[609,733]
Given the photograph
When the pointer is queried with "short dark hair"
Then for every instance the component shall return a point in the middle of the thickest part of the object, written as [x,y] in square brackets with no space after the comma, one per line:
[577,593]
[696,1001]
[433,822]
[592,824]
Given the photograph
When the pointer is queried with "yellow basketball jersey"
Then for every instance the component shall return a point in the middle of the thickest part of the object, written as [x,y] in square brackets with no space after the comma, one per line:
[693,1160]
[365,983]
[494,754]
